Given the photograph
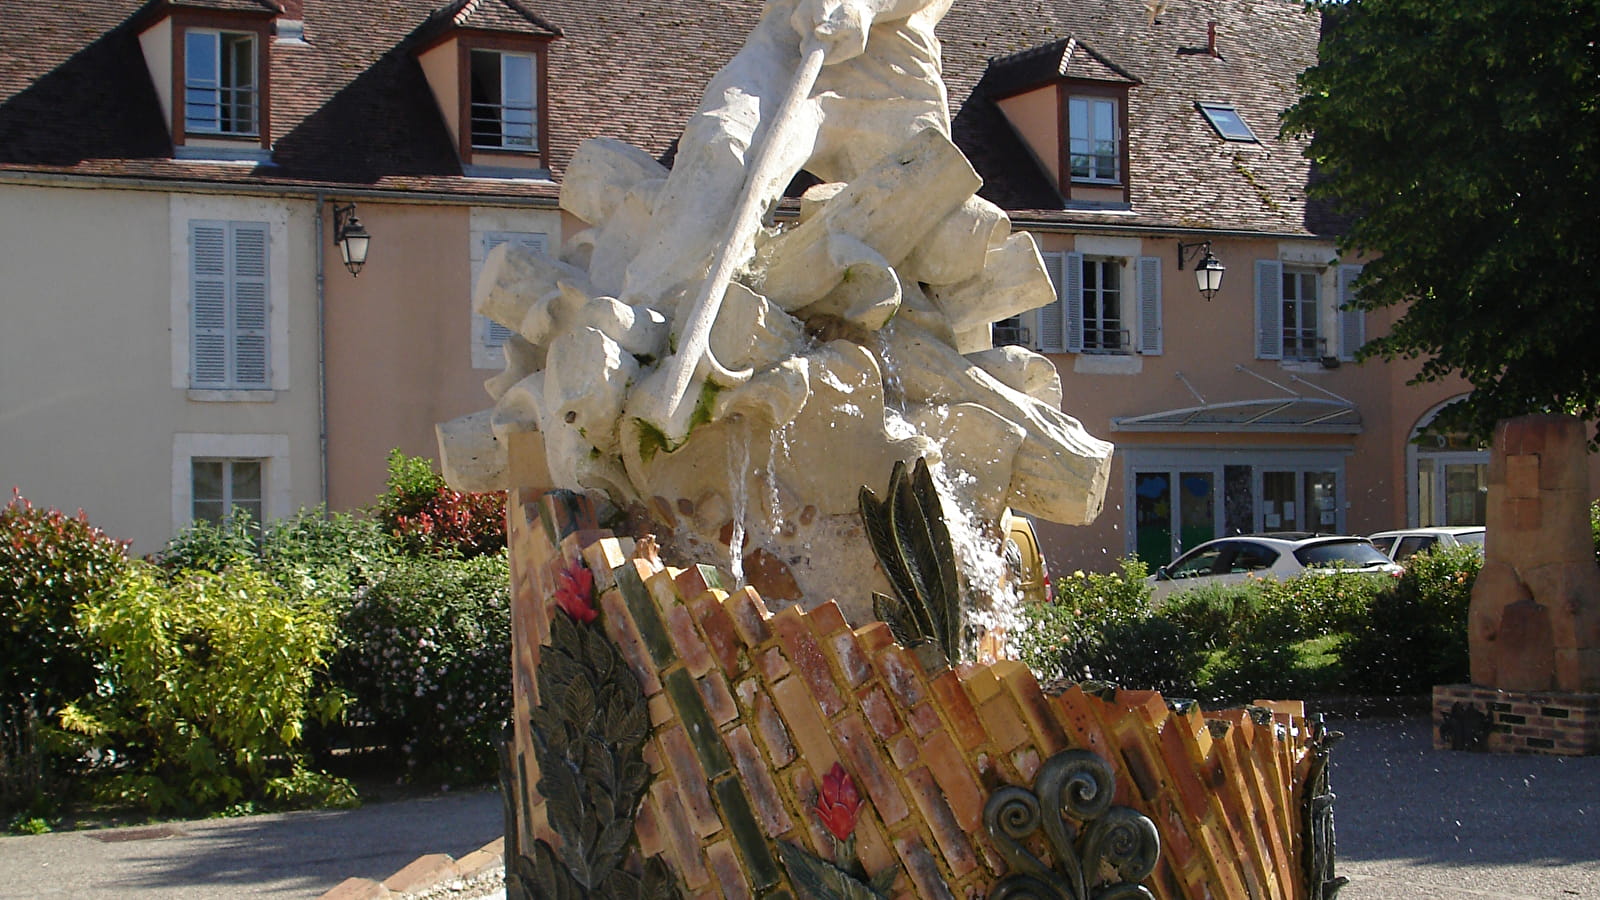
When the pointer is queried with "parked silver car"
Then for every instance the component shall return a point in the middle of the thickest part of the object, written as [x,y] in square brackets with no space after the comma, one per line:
[1406,542]
[1234,559]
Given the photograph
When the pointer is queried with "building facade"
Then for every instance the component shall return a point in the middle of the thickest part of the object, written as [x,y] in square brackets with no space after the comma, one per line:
[178,335]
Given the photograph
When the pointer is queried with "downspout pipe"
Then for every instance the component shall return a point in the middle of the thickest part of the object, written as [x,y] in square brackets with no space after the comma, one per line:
[322,364]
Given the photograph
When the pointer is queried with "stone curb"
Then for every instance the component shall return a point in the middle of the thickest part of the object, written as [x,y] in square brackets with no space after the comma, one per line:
[426,875]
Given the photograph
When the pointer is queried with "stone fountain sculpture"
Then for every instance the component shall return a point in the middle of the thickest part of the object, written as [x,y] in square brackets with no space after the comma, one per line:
[737,381]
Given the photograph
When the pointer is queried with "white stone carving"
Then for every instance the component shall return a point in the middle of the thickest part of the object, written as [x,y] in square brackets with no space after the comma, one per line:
[738,382]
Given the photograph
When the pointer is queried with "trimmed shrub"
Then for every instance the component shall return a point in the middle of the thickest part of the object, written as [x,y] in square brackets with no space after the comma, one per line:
[1414,636]
[327,554]
[426,661]
[207,681]
[207,547]
[430,519]
[49,562]
[1100,628]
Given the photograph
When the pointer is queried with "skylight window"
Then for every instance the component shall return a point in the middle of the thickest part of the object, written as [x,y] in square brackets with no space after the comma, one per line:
[1225,119]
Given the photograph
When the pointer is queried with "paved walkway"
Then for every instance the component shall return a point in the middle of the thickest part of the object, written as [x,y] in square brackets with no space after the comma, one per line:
[1416,823]
[1413,824]
[288,856]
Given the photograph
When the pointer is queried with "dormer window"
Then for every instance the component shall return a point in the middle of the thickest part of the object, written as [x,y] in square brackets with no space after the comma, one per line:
[1069,105]
[505,103]
[1093,139]
[213,76]
[487,63]
[220,94]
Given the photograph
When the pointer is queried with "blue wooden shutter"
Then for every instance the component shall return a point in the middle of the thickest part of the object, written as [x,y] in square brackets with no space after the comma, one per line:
[1352,322]
[209,334]
[250,314]
[1149,283]
[1269,311]
[1072,300]
[495,334]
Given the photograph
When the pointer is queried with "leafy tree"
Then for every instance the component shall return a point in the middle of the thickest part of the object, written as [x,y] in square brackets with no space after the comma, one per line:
[1464,138]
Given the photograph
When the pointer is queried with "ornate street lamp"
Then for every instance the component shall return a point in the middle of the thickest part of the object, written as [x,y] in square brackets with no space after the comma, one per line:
[351,237]
[1208,273]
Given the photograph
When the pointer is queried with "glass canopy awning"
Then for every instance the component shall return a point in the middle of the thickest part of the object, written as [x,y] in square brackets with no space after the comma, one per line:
[1294,413]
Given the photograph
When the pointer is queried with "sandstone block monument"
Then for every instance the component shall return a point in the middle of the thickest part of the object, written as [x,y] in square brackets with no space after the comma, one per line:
[1534,622]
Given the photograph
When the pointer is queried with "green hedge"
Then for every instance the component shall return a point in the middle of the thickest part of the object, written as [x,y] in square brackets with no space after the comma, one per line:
[1314,635]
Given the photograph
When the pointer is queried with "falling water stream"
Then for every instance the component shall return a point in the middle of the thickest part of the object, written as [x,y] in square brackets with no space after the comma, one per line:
[991,603]
[739,490]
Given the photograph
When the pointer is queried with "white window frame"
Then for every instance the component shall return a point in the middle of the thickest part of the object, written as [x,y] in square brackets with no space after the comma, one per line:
[1059,327]
[1300,336]
[1091,138]
[1100,329]
[1441,458]
[502,106]
[271,450]
[222,87]
[1340,331]
[228,499]
[183,209]
[489,227]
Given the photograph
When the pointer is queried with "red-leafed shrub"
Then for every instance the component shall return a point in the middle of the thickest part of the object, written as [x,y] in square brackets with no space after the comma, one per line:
[49,562]
[431,519]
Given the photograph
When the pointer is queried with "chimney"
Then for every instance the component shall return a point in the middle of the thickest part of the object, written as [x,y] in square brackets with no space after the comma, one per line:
[290,24]
[1211,36]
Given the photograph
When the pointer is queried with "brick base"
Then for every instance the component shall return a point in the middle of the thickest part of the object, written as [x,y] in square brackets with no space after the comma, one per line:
[1468,717]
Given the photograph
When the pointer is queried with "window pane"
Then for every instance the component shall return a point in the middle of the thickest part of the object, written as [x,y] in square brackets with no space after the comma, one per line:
[1466,494]
[245,481]
[200,57]
[202,101]
[517,88]
[1153,517]
[239,50]
[1078,119]
[1279,511]
[1238,500]
[207,480]
[252,509]
[486,98]
[1105,128]
[1427,515]
[1321,514]
[208,511]
[1197,508]
[238,88]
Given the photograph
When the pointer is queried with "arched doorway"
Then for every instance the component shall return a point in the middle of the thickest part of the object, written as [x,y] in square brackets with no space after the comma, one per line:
[1447,476]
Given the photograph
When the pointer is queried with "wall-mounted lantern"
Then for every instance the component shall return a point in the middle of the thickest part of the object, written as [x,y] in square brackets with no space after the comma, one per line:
[1208,273]
[351,237]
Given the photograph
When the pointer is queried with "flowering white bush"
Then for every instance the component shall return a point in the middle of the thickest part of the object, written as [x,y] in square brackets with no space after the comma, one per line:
[426,661]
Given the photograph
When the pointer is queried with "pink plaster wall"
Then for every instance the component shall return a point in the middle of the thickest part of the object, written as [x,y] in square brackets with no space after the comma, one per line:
[399,355]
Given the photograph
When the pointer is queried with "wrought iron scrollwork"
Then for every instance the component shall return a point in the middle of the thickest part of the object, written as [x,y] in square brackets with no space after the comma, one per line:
[1076,785]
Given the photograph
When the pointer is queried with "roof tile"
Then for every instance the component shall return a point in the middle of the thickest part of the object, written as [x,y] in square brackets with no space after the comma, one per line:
[350,106]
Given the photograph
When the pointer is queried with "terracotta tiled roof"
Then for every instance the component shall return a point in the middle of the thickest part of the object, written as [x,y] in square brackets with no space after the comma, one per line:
[255,6]
[493,15]
[351,109]
[1067,57]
